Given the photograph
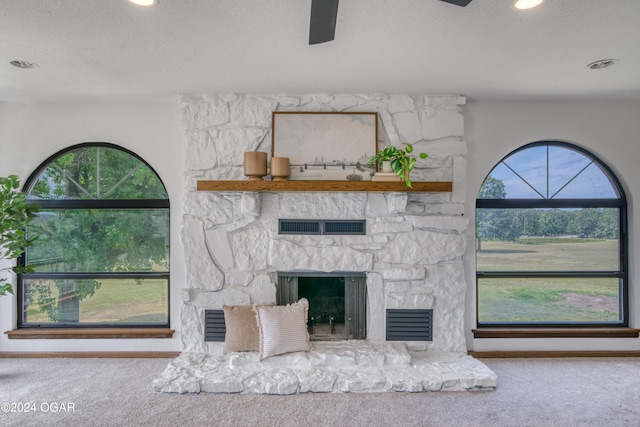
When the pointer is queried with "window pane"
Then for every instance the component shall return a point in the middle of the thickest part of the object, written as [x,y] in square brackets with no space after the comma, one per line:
[81,240]
[531,166]
[97,173]
[548,300]
[564,165]
[502,183]
[142,301]
[537,239]
[591,183]
[546,172]
[547,240]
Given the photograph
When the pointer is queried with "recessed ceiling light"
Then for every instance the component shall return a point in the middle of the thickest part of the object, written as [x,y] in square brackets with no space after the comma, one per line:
[526,4]
[602,63]
[26,65]
[145,3]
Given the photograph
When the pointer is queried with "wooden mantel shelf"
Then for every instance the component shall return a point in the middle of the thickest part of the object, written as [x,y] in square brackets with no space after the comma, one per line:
[337,186]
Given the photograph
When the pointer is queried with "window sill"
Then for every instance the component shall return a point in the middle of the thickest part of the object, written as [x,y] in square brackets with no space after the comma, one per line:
[89,333]
[556,333]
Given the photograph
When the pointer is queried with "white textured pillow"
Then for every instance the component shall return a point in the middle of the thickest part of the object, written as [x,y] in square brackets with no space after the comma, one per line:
[282,328]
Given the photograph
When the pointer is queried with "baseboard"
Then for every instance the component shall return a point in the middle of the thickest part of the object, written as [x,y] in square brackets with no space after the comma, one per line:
[485,332]
[88,333]
[551,354]
[90,354]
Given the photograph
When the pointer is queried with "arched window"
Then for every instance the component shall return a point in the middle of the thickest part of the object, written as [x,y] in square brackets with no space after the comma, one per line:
[551,244]
[101,256]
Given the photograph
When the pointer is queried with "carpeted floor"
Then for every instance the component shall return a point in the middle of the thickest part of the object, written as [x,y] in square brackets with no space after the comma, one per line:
[117,392]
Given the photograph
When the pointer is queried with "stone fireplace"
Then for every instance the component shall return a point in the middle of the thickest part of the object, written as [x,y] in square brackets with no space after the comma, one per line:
[410,256]
[362,288]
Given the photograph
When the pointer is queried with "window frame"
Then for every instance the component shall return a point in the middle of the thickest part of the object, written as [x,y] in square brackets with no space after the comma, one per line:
[100,204]
[621,274]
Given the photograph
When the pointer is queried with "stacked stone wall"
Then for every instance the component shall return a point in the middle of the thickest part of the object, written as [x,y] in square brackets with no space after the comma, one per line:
[413,249]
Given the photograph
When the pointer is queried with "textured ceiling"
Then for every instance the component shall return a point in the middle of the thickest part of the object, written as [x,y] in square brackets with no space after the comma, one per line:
[91,50]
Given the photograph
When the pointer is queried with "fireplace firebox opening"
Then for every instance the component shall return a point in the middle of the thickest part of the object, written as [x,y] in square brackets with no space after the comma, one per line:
[337,302]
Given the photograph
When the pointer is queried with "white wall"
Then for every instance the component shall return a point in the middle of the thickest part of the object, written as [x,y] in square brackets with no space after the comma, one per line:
[30,133]
[608,129]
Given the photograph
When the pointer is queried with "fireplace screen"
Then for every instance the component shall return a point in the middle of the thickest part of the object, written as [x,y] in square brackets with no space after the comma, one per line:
[337,302]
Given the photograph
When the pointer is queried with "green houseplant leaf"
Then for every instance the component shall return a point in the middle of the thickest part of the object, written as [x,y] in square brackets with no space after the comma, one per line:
[401,160]
[15,214]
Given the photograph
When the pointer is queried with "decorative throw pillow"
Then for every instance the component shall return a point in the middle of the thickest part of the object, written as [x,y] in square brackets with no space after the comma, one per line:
[283,329]
[242,328]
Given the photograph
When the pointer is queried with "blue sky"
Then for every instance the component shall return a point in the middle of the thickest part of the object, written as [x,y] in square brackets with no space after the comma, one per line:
[567,168]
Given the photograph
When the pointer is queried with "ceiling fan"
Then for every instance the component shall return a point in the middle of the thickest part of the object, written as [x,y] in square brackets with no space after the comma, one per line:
[325,12]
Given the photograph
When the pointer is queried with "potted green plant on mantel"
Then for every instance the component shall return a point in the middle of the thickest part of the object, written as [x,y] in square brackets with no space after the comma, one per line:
[14,217]
[398,160]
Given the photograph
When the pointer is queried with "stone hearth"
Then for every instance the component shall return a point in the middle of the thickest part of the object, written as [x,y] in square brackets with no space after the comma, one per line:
[339,367]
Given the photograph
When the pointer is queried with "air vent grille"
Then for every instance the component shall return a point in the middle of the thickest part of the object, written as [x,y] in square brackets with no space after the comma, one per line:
[214,326]
[344,227]
[293,226]
[409,325]
[320,226]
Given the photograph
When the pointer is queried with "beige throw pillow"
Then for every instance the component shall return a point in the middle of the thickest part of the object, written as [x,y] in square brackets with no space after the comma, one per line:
[283,329]
[242,328]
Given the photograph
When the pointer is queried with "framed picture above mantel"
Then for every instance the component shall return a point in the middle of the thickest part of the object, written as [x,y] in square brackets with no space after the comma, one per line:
[326,145]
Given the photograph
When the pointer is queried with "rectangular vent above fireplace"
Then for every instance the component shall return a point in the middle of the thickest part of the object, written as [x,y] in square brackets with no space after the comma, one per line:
[409,325]
[214,326]
[345,227]
[322,226]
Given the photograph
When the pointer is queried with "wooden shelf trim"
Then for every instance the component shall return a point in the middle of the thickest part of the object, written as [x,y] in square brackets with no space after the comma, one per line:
[89,354]
[552,354]
[323,185]
[85,333]
[556,333]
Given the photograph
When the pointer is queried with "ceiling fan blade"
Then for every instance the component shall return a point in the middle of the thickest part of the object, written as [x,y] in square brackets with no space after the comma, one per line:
[323,21]
[462,3]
